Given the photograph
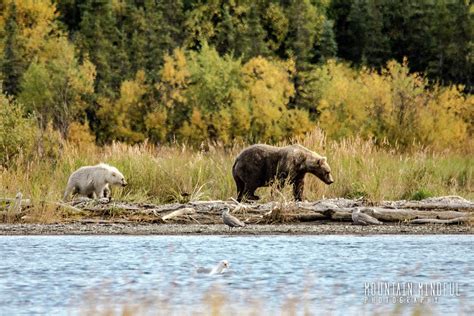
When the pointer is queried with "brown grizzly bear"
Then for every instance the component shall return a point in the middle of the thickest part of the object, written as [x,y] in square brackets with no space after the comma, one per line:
[259,165]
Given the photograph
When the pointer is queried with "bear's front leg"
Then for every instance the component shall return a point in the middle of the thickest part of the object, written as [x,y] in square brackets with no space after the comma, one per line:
[298,187]
[104,195]
[107,192]
[100,192]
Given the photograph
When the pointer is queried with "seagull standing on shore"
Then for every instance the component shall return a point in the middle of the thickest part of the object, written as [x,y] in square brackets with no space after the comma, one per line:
[230,220]
[363,219]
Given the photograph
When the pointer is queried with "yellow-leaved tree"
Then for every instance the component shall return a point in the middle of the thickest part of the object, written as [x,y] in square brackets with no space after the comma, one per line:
[207,97]
[169,112]
[393,106]
[122,119]
[269,88]
[43,70]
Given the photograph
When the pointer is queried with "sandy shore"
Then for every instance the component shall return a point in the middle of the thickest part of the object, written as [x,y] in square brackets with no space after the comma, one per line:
[194,229]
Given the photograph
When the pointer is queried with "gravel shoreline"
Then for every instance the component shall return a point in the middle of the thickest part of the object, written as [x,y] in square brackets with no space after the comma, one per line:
[194,229]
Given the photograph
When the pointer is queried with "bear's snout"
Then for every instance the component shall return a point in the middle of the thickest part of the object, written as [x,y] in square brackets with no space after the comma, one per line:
[329,180]
[124,183]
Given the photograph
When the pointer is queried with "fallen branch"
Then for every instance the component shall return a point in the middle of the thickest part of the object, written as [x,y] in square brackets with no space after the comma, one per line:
[454,221]
[396,215]
[103,221]
[452,202]
[180,212]
[68,207]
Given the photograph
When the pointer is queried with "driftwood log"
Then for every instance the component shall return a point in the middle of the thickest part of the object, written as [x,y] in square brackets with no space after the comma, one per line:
[454,221]
[440,210]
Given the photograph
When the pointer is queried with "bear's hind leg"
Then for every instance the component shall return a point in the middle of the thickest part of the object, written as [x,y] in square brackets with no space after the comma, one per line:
[70,190]
[240,188]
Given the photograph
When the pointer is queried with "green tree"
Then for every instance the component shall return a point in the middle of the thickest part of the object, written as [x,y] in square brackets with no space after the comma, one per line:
[305,26]
[339,11]
[275,24]
[253,43]
[376,50]
[452,36]
[326,47]
[212,79]
[164,32]
[100,40]
[54,87]
[213,82]
[232,27]
[13,64]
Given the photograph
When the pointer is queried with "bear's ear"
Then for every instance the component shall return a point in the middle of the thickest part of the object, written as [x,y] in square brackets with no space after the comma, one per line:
[322,160]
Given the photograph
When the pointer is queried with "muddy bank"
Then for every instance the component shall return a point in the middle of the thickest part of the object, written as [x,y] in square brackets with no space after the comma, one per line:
[219,229]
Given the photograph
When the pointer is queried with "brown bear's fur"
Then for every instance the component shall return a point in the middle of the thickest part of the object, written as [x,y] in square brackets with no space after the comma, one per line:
[259,165]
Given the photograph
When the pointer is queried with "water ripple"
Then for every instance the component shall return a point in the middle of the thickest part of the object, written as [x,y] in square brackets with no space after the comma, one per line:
[60,274]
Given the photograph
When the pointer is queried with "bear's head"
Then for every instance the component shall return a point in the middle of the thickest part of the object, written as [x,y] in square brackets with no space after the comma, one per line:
[319,167]
[115,177]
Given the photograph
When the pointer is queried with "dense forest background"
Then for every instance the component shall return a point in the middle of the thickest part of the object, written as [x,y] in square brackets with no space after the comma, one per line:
[397,72]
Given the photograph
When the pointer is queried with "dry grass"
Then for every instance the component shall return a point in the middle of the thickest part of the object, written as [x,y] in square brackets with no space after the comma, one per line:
[215,302]
[178,173]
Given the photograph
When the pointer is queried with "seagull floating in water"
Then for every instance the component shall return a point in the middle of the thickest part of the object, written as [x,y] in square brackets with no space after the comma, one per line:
[230,220]
[363,219]
[218,269]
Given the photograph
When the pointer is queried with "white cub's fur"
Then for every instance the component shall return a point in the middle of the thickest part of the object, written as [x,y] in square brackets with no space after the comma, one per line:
[94,181]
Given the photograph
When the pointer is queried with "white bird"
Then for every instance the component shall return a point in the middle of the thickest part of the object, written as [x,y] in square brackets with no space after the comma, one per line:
[230,220]
[363,219]
[218,269]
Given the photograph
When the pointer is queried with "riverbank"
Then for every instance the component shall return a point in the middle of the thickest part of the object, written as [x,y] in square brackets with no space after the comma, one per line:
[104,228]
[441,215]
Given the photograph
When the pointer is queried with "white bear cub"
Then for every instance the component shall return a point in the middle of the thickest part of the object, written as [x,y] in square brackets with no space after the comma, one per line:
[94,181]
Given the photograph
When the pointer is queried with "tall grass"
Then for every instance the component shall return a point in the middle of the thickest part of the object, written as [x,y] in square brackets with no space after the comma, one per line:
[216,302]
[162,174]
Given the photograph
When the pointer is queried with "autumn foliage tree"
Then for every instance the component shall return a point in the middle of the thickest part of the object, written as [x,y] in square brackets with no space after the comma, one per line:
[51,82]
[240,71]
[394,106]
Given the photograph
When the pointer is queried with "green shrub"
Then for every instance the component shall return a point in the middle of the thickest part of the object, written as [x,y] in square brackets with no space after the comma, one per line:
[421,194]
[16,131]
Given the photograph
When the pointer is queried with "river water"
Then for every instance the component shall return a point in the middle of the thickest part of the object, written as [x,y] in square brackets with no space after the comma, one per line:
[338,275]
